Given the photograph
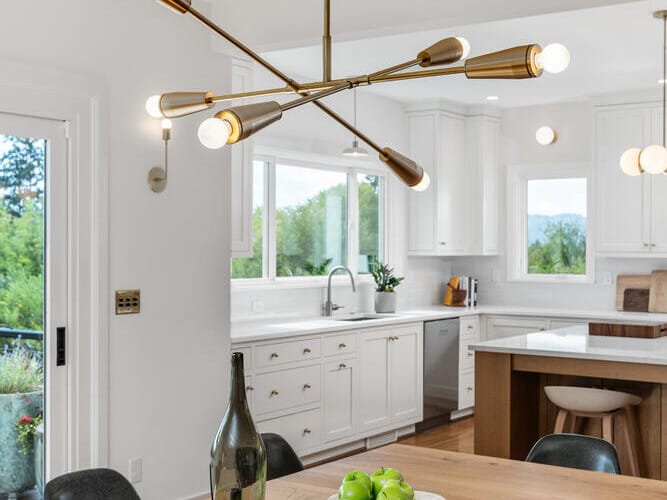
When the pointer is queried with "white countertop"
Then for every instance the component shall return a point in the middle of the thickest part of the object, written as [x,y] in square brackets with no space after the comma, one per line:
[265,329]
[575,342]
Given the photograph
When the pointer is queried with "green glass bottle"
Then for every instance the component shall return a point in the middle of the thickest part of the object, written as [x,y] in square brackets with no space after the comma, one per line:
[238,456]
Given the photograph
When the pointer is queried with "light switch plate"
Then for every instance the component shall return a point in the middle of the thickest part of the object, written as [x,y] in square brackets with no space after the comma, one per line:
[128,301]
[135,470]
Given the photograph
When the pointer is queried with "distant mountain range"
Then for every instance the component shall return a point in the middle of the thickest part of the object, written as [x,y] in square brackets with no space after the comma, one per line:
[537,224]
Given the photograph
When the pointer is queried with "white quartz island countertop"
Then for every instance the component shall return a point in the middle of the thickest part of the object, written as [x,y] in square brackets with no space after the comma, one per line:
[290,326]
[575,342]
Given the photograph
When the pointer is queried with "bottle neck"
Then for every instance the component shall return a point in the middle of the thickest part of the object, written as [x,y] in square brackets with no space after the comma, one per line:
[238,393]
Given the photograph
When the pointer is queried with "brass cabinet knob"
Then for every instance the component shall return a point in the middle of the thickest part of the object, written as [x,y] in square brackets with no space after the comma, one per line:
[470,355]
[307,431]
[470,327]
[307,350]
[306,386]
[342,346]
[469,388]
[249,388]
[274,392]
[342,366]
[274,355]
[393,337]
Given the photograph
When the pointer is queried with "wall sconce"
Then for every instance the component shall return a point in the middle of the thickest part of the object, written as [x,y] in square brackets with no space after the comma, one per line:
[157,176]
[545,136]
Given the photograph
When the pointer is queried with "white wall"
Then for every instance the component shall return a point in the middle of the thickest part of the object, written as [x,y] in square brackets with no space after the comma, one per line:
[168,365]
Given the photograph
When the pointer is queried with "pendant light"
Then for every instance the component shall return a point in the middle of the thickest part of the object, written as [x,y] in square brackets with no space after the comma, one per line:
[355,151]
[651,159]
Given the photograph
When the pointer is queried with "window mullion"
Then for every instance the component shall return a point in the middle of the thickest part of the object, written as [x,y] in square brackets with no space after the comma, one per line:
[270,226]
[352,222]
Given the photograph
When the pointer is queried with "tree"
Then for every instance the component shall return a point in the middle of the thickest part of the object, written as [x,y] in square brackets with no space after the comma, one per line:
[21,172]
[564,251]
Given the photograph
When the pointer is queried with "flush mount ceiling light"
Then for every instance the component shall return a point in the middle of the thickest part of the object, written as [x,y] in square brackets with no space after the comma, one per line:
[240,122]
[651,159]
[545,136]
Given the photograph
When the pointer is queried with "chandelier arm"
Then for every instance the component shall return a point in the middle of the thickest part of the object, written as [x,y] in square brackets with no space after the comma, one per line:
[326,42]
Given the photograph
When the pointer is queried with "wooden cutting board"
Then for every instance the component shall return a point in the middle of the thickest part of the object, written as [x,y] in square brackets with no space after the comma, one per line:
[624,330]
[624,281]
[657,302]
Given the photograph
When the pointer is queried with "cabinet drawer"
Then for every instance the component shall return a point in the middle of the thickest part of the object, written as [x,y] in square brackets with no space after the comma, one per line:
[286,352]
[340,344]
[466,357]
[301,430]
[469,327]
[284,389]
[466,390]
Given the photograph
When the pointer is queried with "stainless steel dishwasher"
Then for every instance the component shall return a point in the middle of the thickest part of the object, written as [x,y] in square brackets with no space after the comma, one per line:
[441,371]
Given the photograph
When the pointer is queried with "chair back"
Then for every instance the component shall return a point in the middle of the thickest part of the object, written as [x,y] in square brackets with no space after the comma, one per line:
[281,459]
[91,484]
[576,451]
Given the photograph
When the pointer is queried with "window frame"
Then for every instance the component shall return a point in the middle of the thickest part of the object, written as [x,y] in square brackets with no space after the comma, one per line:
[272,157]
[517,220]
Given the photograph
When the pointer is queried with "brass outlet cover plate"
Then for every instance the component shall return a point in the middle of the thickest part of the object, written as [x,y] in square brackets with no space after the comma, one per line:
[128,301]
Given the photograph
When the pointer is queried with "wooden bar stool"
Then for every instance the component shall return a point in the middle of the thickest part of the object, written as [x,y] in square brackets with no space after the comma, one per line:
[585,402]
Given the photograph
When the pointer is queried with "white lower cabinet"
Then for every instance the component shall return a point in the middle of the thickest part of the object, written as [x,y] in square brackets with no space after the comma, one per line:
[467,390]
[508,326]
[340,398]
[469,333]
[357,385]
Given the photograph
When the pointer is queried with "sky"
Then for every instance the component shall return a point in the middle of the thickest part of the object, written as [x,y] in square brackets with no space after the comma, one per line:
[557,196]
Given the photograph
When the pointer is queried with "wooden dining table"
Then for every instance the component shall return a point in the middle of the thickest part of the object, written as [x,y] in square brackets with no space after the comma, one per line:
[460,476]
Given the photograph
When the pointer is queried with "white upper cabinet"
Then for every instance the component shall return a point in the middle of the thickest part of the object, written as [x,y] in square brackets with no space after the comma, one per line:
[631,215]
[457,215]
[241,173]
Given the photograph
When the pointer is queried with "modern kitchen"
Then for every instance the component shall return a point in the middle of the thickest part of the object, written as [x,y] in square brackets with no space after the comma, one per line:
[278,252]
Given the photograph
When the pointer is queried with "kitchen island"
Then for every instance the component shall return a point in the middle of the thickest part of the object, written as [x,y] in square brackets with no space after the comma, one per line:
[512,411]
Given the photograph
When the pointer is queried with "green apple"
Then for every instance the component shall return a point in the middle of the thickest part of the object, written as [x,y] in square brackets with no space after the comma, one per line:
[407,489]
[354,490]
[392,491]
[357,475]
[381,476]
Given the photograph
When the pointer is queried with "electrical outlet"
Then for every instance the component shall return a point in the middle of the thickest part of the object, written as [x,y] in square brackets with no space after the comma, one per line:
[135,470]
[257,306]
[128,301]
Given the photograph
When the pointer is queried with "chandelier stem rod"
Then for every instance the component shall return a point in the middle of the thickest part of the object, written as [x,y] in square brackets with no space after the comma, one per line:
[326,42]
[349,127]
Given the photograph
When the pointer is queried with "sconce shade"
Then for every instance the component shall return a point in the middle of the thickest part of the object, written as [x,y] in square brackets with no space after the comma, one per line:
[630,162]
[409,172]
[545,136]
[515,63]
[180,6]
[653,159]
[246,120]
[446,51]
[176,104]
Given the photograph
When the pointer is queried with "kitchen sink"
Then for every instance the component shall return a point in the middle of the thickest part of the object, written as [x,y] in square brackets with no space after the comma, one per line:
[365,317]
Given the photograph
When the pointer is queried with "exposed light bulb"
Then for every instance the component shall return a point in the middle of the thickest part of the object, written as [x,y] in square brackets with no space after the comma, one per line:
[653,159]
[466,46]
[214,132]
[630,162]
[153,106]
[545,136]
[492,98]
[423,184]
[166,124]
[554,58]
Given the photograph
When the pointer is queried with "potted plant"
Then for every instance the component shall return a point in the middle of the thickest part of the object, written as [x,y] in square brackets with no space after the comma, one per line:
[21,402]
[385,282]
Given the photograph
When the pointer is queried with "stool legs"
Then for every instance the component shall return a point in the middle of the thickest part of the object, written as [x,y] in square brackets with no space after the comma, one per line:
[633,442]
[608,428]
[560,421]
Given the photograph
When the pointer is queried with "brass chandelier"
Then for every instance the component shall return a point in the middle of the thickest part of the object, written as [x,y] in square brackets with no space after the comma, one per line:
[237,123]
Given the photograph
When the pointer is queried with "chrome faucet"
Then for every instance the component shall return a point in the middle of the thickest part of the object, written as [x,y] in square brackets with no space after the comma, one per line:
[330,307]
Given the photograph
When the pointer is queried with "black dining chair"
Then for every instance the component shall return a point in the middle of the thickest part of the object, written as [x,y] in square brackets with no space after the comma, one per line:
[281,459]
[91,484]
[576,451]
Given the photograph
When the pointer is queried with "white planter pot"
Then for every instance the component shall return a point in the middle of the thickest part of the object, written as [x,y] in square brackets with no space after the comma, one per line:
[385,302]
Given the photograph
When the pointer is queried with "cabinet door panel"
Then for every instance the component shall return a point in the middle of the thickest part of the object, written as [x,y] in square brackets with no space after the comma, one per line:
[405,370]
[622,217]
[498,328]
[374,380]
[659,214]
[339,399]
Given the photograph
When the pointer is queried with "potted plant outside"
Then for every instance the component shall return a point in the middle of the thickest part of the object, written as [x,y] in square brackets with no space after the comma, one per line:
[385,283]
[21,402]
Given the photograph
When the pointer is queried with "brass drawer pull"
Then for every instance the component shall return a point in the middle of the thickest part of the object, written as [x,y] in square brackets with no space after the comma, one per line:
[274,392]
[306,386]
[249,388]
[342,366]
[307,431]
[274,355]
[470,355]
[342,346]
[393,338]
[469,388]
[307,350]
[470,327]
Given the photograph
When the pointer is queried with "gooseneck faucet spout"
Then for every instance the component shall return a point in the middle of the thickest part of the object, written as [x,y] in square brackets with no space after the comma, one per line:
[329,306]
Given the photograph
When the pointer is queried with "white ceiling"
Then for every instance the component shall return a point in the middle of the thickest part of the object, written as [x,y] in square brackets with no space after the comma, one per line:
[614,48]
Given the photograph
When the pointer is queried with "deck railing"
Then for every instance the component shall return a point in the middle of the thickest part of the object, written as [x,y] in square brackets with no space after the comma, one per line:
[10,333]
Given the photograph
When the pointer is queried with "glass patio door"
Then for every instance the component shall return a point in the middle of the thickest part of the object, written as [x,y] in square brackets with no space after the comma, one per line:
[33,300]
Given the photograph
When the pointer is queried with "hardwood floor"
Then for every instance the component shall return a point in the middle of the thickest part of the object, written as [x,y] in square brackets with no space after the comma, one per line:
[454,436]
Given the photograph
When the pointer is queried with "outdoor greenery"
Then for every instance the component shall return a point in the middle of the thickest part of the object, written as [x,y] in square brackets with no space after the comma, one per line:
[20,369]
[301,233]
[21,173]
[563,252]
[385,281]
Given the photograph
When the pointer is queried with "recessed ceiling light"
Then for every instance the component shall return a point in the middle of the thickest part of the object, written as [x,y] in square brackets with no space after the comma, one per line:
[492,98]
